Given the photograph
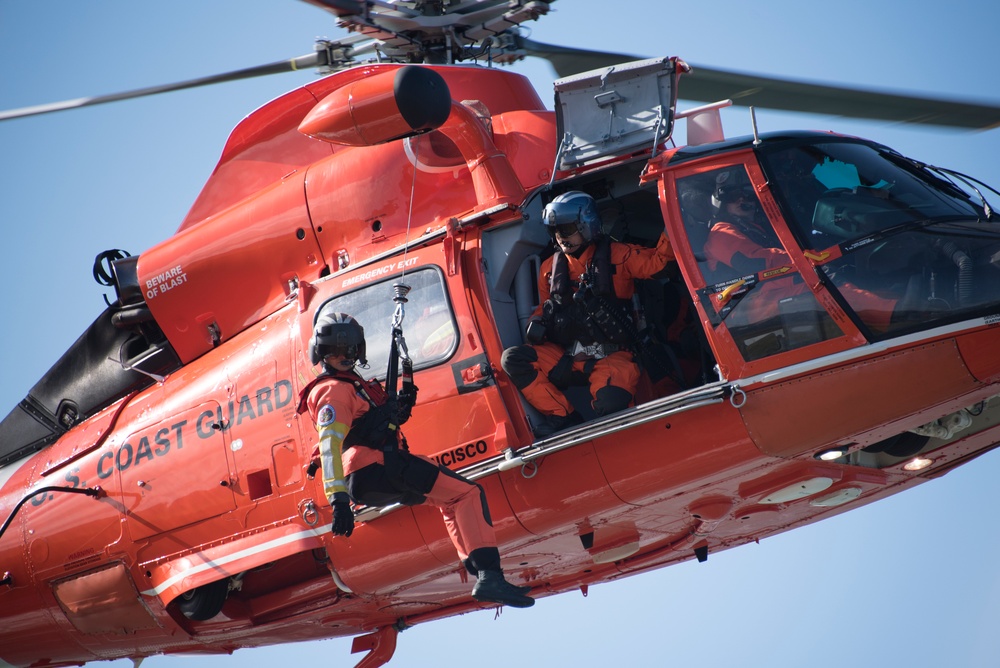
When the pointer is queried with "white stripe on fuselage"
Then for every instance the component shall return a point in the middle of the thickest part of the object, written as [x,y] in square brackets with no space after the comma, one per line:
[229,558]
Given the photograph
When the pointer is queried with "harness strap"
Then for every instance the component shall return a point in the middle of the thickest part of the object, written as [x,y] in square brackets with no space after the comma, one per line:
[375,429]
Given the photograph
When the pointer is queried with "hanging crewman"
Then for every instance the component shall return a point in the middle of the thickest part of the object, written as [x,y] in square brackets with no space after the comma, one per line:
[364,456]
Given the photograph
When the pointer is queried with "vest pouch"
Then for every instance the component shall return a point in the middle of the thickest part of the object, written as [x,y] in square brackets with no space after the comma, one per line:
[612,320]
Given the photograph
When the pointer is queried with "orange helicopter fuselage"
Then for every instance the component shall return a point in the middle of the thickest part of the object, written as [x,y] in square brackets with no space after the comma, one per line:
[202,475]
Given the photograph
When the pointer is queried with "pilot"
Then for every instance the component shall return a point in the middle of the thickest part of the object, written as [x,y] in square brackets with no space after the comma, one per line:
[743,239]
[364,457]
[583,329]
[795,169]
[737,237]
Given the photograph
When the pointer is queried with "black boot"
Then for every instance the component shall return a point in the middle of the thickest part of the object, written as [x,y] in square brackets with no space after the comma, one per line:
[491,587]
[488,559]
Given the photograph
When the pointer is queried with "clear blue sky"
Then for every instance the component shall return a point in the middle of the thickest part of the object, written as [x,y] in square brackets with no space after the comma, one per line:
[909,581]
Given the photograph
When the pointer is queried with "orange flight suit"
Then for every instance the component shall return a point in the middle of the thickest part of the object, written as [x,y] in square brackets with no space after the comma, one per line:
[618,369]
[335,405]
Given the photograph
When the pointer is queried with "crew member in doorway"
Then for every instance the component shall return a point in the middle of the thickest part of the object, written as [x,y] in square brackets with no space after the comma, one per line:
[583,329]
[364,458]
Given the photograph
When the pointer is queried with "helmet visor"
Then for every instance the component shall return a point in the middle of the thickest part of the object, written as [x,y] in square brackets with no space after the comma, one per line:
[564,230]
[350,351]
[564,214]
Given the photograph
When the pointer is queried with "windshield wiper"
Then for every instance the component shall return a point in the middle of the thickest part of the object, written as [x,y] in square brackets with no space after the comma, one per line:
[951,174]
[854,244]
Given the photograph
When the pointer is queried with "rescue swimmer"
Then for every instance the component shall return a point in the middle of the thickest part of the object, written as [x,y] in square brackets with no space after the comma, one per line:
[583,330]
[364,457]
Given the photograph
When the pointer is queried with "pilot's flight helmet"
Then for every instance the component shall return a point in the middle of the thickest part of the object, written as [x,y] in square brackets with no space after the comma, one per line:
[730,185]
[337,334]
[577,211]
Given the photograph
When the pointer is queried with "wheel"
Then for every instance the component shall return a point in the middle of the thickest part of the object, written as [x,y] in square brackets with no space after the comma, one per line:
[203,603]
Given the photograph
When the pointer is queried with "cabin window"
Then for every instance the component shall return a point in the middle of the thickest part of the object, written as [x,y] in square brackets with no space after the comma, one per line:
[751,286]
[428,324]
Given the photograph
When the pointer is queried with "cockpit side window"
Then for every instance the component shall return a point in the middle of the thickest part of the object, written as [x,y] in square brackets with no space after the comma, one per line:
[752,288]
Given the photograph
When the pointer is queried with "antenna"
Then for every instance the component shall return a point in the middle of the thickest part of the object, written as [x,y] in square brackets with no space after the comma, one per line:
[753,123]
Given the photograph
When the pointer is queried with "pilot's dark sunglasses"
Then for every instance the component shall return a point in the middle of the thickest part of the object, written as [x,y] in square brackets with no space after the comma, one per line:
[737,194]
[565,230]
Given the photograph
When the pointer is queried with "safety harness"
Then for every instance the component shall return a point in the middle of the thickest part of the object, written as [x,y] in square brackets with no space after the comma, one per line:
[376,428]
[587,310]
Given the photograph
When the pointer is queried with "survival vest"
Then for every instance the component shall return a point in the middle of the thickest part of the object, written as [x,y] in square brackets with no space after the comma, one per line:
[587,310]
[378,427]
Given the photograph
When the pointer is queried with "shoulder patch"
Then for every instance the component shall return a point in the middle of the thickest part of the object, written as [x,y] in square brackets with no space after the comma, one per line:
[326,415]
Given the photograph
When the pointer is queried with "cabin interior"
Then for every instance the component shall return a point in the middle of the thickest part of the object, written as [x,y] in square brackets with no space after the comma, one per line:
[675,354]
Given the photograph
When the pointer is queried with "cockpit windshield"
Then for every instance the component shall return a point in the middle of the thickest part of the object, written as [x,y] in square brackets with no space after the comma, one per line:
[841,192]
[878,221]
[901,246]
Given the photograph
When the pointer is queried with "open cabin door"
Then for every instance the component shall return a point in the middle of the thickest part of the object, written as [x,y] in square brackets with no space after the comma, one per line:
[759,313]
[615,111]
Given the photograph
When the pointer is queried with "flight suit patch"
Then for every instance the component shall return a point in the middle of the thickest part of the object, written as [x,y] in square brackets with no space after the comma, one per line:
[326,415]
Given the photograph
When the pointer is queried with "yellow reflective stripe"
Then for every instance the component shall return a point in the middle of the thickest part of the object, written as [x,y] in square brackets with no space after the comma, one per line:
[331,443]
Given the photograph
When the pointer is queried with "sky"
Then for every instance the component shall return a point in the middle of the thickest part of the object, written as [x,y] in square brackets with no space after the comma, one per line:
[910,580]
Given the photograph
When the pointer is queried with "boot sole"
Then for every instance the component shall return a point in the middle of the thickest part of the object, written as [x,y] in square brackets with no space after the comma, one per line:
[524,602]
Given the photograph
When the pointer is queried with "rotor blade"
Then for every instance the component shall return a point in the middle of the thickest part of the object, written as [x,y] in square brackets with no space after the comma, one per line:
[568,61]
[706,84]
[317,59]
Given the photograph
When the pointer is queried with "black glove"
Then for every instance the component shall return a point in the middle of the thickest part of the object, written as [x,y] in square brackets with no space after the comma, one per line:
[343,516]
[561,374]
[535,332]
[407,400]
